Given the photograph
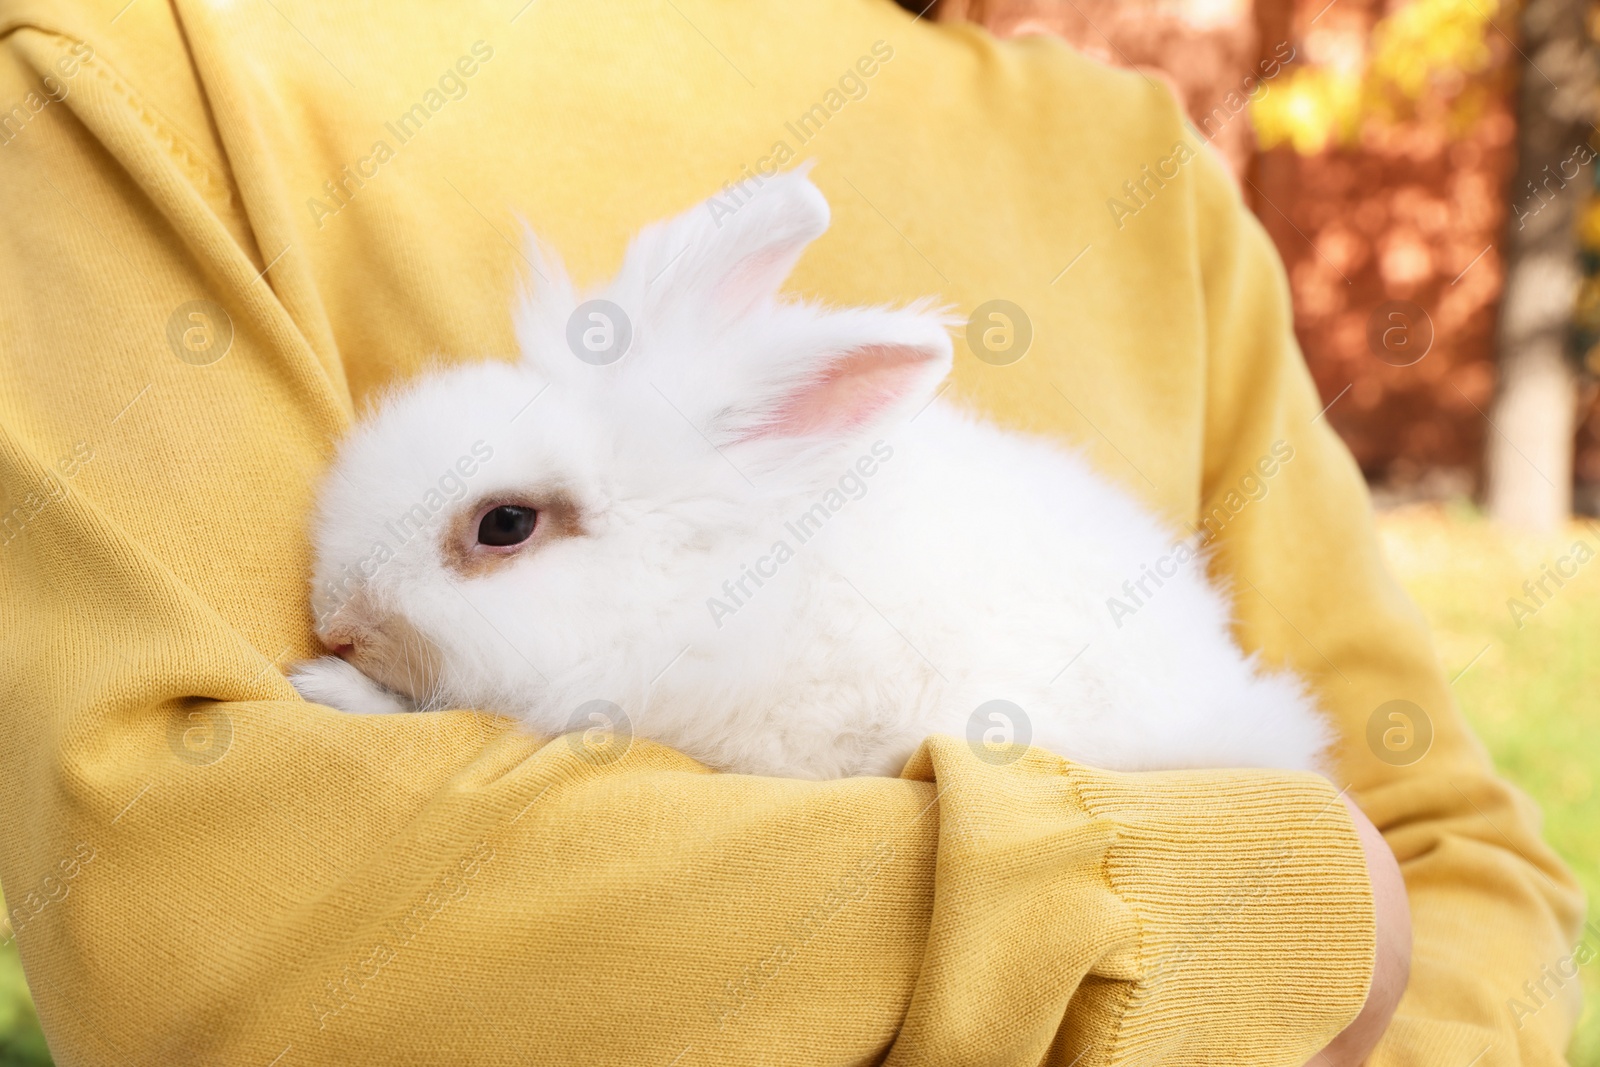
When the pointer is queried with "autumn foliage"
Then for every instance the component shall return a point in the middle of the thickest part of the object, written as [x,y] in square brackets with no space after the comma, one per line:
[1379,159]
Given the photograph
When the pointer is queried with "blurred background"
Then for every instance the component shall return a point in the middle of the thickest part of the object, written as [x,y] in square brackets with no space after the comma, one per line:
[1426,169]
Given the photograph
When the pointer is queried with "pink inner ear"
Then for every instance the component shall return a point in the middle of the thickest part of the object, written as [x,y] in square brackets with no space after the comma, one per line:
[756,276]
[854,389]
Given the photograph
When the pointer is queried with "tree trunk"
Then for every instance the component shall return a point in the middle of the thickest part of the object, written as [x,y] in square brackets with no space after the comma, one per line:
[1528,462]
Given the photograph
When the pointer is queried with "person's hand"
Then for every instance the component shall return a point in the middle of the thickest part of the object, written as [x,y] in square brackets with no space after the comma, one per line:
[1392,967]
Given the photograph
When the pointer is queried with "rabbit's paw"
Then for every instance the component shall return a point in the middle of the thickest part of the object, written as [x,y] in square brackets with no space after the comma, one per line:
[333,682]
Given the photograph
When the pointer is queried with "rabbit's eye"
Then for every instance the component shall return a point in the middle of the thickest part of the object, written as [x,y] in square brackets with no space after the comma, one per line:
[506,525]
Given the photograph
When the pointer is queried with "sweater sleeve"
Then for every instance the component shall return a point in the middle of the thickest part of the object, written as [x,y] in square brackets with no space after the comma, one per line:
[201,868]
[1287,515]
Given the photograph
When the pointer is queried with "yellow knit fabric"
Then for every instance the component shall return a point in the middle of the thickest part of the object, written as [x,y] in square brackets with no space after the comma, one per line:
[203,869]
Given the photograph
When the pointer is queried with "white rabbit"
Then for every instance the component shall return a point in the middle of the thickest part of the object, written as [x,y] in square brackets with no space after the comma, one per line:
[760,536]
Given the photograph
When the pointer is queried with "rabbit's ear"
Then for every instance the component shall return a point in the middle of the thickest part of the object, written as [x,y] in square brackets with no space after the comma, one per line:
[860,369]
[546,299]
[723,256]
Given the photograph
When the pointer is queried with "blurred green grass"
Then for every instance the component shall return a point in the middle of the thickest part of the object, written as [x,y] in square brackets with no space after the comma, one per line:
[21,1043]
[1532,693]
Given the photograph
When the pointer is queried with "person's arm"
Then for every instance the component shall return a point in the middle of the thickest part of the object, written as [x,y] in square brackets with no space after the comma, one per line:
[216,873]
[1490,903]
[203,869]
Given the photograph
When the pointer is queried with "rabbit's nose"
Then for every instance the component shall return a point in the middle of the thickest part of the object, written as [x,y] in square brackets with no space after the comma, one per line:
[341,639]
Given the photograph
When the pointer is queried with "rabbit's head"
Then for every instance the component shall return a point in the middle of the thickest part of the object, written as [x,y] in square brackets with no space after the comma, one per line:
[522,536]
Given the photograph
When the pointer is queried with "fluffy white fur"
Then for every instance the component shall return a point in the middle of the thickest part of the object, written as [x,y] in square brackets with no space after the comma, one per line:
[973,564]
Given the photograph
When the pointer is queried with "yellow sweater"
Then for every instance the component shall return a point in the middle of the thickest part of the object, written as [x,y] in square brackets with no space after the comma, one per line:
[225,225]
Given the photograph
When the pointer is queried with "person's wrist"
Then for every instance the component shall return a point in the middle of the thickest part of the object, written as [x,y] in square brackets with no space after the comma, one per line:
[1248,891]
[1392,960]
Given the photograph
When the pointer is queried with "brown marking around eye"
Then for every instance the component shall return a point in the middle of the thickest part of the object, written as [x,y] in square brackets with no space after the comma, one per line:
[558,518]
